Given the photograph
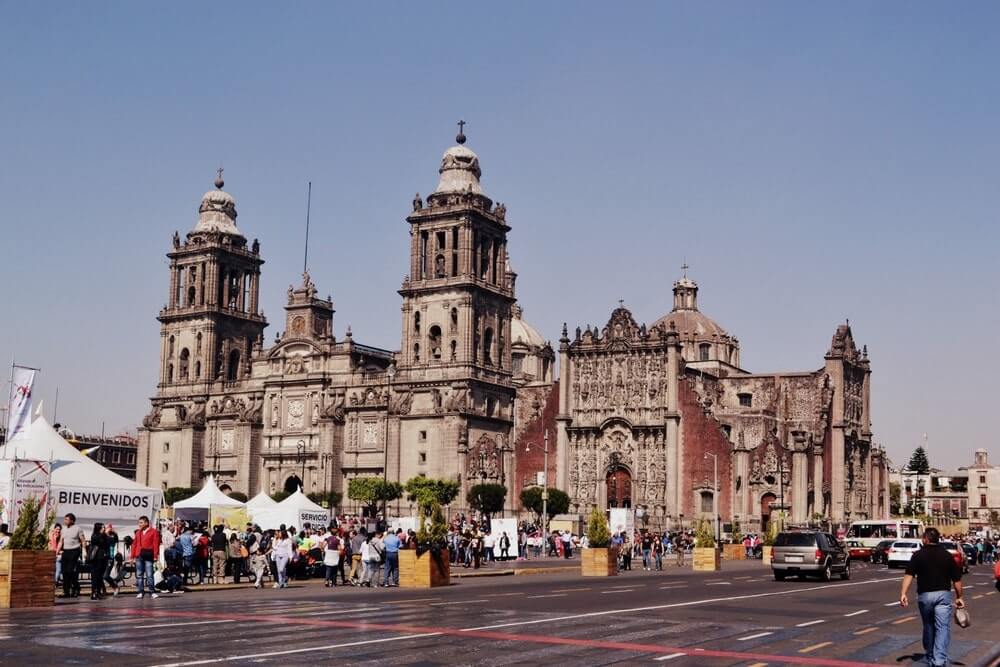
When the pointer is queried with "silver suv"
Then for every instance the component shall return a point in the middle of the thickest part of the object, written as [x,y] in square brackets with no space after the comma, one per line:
[809,552]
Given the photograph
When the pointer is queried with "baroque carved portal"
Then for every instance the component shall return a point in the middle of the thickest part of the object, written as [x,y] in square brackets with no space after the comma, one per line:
[485,459]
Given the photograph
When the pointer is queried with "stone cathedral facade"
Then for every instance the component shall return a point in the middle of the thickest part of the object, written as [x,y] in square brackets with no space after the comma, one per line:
[640,416]
[316,410]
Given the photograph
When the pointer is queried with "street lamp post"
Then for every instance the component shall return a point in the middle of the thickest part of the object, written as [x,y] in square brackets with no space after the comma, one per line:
[301,447]
[545,491]
[715,493]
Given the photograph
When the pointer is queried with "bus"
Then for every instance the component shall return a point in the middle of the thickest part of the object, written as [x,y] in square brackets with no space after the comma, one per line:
[872,531]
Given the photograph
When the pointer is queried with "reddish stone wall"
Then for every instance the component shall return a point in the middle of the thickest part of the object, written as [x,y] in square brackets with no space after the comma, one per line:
[702,434]
[530,460]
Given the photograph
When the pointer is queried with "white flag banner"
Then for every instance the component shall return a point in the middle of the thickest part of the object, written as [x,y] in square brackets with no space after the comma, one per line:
[20,402]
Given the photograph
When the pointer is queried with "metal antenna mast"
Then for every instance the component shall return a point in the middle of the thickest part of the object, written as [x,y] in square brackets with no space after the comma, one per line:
[305,259]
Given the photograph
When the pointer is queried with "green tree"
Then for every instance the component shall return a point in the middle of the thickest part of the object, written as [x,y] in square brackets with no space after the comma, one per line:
[373,492]
[433,530]
[531,499]
[329,500]
[487,498]
[918,462]
[27,534]
[177,493]
[425,491]
[598,535]
[703,537]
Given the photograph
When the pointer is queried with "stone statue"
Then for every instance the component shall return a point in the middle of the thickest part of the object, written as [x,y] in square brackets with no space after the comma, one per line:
[418,203]
[177,240]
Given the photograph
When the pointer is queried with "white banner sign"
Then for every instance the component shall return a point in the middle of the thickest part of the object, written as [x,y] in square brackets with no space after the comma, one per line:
[105,504]
[497,528]
[314,518]
[20,480]
[20,402]
[622,519]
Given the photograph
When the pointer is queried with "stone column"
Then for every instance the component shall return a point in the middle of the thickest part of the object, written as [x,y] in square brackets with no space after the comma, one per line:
[673,447]
[818,478]
[800,480]
[838,467]
[741,471]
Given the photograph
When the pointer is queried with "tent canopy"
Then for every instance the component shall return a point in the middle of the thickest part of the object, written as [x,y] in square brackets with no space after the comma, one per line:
[81,485]
[294,511]
[261,501]
[208,496]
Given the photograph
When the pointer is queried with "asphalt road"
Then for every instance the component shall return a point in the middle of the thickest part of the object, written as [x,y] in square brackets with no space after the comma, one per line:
[740,616]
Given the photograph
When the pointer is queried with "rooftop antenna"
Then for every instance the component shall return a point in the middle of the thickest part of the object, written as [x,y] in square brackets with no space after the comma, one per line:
[55,411]
[305,259]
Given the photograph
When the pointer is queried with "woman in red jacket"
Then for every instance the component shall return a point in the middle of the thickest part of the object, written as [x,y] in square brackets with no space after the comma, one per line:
[145,551]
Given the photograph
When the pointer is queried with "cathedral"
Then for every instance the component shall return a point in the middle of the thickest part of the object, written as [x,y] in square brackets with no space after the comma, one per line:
[662,419]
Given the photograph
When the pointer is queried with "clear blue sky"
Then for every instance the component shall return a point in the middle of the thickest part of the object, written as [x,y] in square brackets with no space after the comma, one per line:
[810,162]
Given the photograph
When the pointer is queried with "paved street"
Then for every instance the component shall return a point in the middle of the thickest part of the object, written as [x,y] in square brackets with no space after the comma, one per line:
[738,617]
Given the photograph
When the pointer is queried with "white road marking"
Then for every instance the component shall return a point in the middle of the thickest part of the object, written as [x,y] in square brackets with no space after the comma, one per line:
[689,603]
[550,595]
[334,612]
[666,588]
[175,625]
[444,604]
[856,613]
[891,604]
[808,623]
[233,658]
[754,636]
[671,656]
[719,583]
[622,590]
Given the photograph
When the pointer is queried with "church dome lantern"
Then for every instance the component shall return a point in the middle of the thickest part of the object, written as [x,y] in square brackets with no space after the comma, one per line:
[217,211]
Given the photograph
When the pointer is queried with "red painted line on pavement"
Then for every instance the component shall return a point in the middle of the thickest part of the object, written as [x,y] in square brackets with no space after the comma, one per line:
[497,636]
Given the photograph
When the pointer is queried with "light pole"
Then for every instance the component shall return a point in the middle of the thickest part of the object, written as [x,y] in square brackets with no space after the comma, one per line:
[545,491]
[390,374]
[715,493]
[301,447]
[327,463]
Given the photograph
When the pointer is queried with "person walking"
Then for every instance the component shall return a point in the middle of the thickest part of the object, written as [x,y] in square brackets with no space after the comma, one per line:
[936,573]
[236,557]
[282,551]
[55,537]
[145,550]
[331,558]
[370,559]
[72,544]
[391,544]
[357,566]
[97,560]
[504,546]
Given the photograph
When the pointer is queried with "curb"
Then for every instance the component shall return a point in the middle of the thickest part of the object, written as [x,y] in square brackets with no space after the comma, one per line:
[546,570]
[990,659]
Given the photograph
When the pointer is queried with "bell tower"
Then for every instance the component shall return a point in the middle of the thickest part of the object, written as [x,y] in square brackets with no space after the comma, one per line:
[212,320]
[455,358]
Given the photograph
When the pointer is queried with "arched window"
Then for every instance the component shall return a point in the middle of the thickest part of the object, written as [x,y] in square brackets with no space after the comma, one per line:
[488,346]
[416,353]
[197,370]
[704,350]
[170,372]
[435,342]
[192,293]
[416,323]
[234,365]
[439,267]
[454,350]
[454,320]
[197,345]
[183,366]
[170,347]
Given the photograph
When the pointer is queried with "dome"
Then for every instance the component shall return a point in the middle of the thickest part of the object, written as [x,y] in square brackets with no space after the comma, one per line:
[459,171]
[523,333]
[691,322]
[217,212]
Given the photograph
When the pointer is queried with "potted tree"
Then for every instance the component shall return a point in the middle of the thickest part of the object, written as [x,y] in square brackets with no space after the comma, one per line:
[705,557]
[27,566]
[599,559]
[428,565]
[735,549]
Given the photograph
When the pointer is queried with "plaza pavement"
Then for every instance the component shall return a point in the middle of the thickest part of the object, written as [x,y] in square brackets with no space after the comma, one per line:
[739,616]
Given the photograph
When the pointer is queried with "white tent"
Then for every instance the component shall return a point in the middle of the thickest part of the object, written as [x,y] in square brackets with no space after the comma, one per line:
[295,510]
[81,485]
[261,501]
[208,496]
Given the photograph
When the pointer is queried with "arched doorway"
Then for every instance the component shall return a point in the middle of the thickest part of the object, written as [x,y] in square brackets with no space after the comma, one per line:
[765,510]
[619,482]
[292,484]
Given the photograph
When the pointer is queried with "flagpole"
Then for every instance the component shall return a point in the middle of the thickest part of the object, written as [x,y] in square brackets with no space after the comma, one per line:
[10,399]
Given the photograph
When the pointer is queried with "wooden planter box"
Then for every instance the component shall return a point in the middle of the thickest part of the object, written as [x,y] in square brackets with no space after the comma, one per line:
[599,562]
[734,552]
[425,571]
[706,559]
[766,555]
[26,578]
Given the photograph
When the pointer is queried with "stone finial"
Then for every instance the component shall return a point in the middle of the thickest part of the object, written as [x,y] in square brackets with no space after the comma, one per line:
[218,179]
[460,137]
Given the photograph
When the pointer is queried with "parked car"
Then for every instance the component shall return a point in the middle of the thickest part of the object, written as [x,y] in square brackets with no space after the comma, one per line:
[958,554]
[803,553]
[880,551]
[858,551]
[901,551]
[970,552]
